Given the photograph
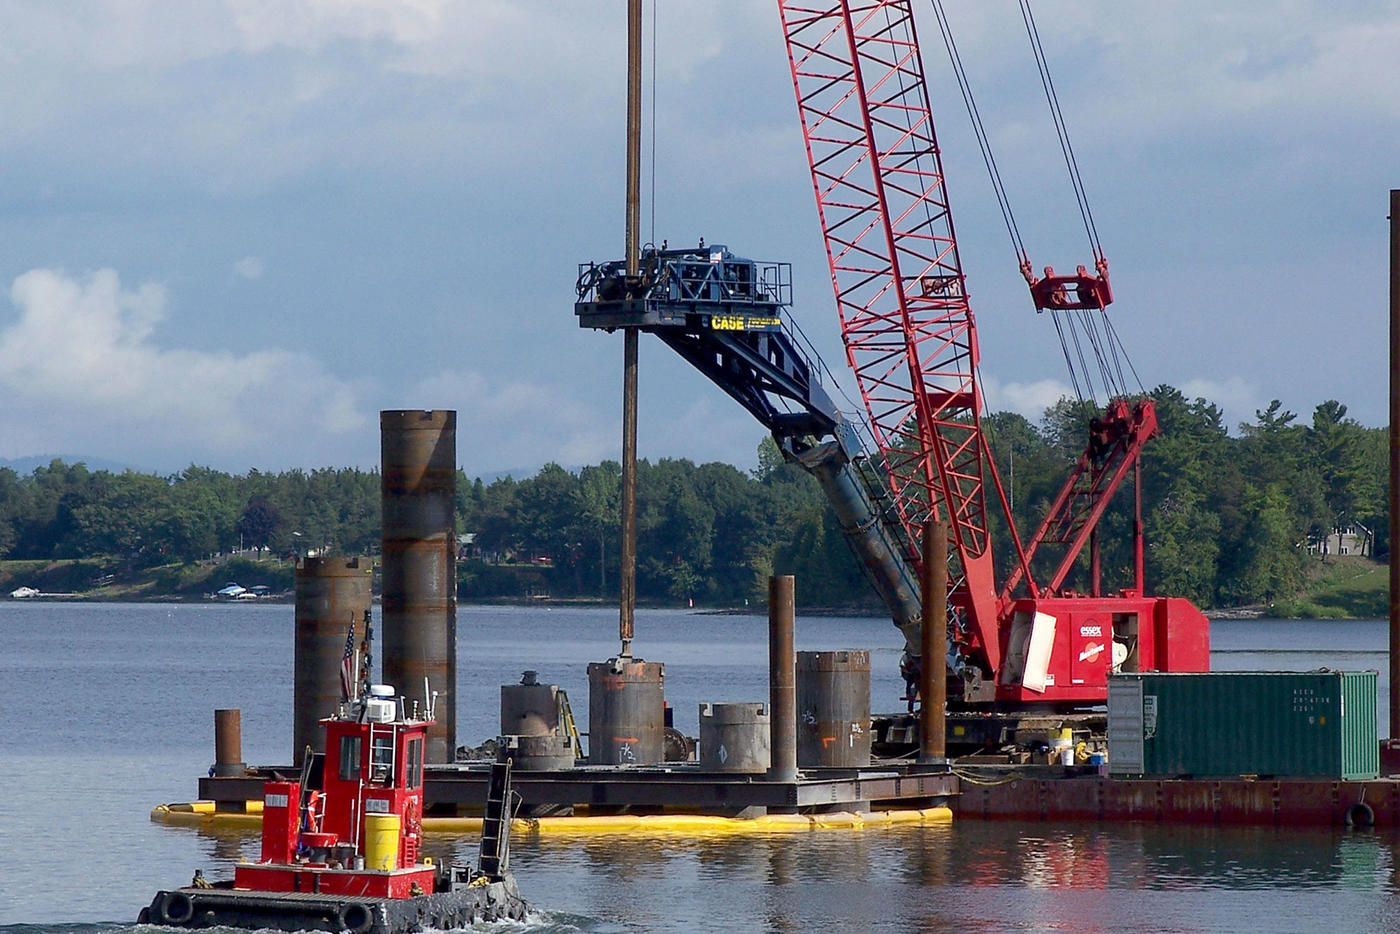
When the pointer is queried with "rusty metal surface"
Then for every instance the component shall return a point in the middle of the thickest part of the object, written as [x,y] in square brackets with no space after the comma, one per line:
[627,584]
[627,557]
[833,709]
[418,451]
[933,639]
[228,742]
[782,678]
[332,593]
[1282,803]
[626,712]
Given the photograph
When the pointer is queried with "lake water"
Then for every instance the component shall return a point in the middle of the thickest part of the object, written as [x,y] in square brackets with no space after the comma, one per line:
[107,711]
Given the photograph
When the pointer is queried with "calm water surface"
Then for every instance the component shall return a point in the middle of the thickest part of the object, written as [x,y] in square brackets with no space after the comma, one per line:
[107,711]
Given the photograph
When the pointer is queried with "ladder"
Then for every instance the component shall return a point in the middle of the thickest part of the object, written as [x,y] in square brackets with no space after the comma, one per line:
[493,859]
[566,720]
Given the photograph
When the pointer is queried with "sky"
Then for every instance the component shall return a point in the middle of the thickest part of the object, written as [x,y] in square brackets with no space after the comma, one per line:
[232,231]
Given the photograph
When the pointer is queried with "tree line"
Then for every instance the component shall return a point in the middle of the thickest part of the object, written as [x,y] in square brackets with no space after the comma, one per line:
[1227,517]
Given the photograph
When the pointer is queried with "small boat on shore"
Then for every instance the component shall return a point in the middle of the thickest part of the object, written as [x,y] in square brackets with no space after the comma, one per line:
[346,856]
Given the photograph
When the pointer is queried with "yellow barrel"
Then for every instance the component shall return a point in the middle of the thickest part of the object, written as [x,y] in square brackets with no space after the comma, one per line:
[381,841]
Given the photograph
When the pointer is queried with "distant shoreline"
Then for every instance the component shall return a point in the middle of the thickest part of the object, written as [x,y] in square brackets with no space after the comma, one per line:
[1217,614]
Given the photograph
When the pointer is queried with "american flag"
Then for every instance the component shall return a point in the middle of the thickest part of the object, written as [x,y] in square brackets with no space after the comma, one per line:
[348,666]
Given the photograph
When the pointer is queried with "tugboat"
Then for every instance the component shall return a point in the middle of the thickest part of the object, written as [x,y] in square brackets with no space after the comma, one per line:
[347,857]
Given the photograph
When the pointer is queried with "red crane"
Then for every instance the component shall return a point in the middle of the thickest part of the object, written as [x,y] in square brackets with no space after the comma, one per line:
[910,338]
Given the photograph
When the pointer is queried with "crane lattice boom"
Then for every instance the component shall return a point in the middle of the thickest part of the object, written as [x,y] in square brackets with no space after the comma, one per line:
[909,332]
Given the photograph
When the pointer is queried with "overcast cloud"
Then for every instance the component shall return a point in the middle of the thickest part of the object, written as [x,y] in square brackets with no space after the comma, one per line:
[233,231]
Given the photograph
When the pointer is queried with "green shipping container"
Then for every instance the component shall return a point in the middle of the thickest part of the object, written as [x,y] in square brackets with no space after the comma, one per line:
[1284,724]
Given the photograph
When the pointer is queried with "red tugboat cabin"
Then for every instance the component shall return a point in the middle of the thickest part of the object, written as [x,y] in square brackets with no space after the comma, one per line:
[361,835]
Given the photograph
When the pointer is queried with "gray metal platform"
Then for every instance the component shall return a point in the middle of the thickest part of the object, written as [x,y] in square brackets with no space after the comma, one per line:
[678,786]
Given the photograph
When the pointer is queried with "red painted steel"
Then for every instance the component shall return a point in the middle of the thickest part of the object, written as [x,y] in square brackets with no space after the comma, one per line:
[1116,439]
[911,341]
[280,821]
[389,883]
[370,768]
[900,291]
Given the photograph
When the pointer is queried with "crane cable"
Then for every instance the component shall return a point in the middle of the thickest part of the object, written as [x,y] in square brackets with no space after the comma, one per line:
[983,143]
[1062,131]
[1091,327]
[1108,349]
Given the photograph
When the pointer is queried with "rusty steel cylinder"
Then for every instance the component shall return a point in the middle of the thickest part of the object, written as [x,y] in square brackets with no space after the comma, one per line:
[933,642]
[419,497]
[332,595]
[626,712]
[833,709]
[782,689]
[228,743]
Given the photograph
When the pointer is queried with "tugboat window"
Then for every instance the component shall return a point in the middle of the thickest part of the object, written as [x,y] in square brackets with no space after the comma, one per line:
[415,763]
[349,758]
[381,758]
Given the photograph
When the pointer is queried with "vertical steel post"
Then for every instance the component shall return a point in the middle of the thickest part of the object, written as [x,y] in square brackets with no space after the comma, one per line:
[1394,464]
[782,679]
[228,742]
[933,646]
[627,584]
[419,502]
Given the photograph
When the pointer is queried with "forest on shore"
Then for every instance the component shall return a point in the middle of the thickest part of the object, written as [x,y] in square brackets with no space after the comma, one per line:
[1228,517]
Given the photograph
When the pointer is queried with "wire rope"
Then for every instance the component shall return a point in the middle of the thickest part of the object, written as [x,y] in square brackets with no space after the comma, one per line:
[1061,130]
[979,130]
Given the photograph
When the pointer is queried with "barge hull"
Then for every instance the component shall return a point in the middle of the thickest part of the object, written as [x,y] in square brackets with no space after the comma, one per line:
[1268,802]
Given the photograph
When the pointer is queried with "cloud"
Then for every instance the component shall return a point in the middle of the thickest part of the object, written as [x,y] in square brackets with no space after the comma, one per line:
[1027,399]
[83,364]
[1237,397]
[521,421]
[249,267]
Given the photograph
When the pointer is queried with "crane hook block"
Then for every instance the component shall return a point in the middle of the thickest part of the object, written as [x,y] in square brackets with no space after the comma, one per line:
[1081,291]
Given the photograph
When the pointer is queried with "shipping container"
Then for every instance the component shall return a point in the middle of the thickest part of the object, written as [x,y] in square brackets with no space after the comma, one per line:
[1316,724]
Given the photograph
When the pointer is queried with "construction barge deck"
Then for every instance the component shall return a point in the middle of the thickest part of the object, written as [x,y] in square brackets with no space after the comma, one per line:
[1026,793]
[674,788]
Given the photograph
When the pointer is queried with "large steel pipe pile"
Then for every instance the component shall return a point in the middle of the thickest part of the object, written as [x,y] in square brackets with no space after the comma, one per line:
[332,598]
[782,679]
[626,712]
[933,643]
[418,485]
[228,743]
[833,702]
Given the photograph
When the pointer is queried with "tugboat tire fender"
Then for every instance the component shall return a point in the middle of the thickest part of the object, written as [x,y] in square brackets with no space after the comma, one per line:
[1360,815]
[177,908]
[355,918]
